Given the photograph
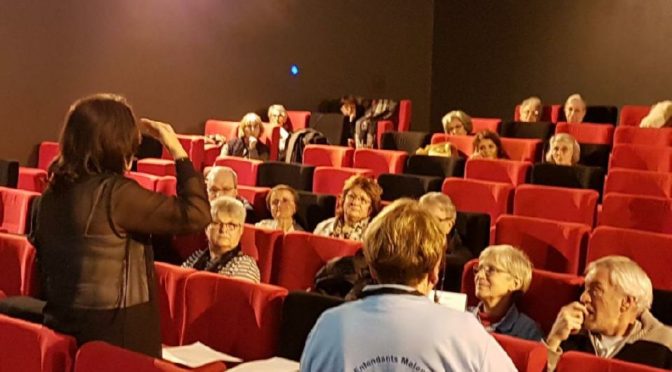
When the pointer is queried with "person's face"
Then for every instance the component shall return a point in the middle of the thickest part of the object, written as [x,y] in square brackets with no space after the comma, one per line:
[492,282]
[456,128]
[575,110]
[445,222]
[282,204]
[357,205]
[222,185]
[225,232]
[277,117]
[530,113]
[251,130]
[348,109]
[603,302]
[562,152]
[487,149]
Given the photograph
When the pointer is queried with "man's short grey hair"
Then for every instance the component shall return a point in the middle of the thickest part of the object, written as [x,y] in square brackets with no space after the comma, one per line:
[276,107]
[441,200]
[534,100]
[219,169]
[627,276]
[575,96]
[227,205]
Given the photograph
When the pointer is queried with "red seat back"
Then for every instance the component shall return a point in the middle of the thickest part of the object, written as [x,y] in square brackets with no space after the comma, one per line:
[636,182]
[257,197]
[46,154]
[643,136]
[380,161]
[330,180]
[262,244]
[30,347]
[15,209]
[522,149]
[171,281]
[492,198]
[642,157]
[551,245]
[328,156]
[32,179]
[298,119]
[193,145]
[271,137]
[246,169]
[548,292]
[99,356]
[464,145]
[18,275]
[233,316]
[632,115]
[646,213]
[572,361]
[653,252]
[491,124]
[556,203]
[527,356]
[405,110]
[303,254]
[226,129]
[601,134]
[506,171]
[157,167]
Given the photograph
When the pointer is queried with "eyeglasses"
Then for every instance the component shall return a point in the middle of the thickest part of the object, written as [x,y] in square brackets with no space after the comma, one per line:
[229,226]
[487,269]
[360,198]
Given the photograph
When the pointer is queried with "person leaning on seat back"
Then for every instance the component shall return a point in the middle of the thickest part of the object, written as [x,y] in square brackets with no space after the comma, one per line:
[281,201]
[659,116]
[612,318]
[575,109]
[503,274]
[563,149]
[92,225]
[248,142]
[487,145]
[530,110]
[224,255]
[395,326]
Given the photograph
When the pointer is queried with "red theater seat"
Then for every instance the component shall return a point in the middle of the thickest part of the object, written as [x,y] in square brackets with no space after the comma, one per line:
[646,213]
[226,129]
[164,184]
[490,124]
[635,182]
[330,180]
[548,292]
[522,149]
[600,134]
[32,179]
[464,145]
[262,244]
[653,252]
[47,152]
[30,347]
[157,167]
[298,119]
[193,145]
[233,316]
[380,161]
[556,203]
[257,197]
[17,266]
[527,356]
[171,281]
[642,157]
[551,245]
[15,209]
[632,115]
[573,361]
[246,169]
[271,137]
[505,171]
[643,136]
[492,198]
[303,254]
[328,156]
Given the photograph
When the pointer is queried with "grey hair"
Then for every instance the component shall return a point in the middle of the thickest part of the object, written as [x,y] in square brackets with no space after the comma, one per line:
[567,138]
[442,200]
[227,205]
[575,96]
[626,275]
[531,100]
[513,260]
[216,170]
[459,115]
[276,107]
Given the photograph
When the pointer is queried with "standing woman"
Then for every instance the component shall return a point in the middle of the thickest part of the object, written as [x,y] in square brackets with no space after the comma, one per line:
[92,226]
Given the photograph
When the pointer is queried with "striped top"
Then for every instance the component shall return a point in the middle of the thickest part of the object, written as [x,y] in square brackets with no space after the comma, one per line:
[239,266]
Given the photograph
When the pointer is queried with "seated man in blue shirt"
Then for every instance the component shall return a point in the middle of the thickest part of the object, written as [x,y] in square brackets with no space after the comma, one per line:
[395,326]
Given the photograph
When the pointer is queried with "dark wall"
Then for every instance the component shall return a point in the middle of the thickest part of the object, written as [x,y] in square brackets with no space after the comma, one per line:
[187,61]
[489,55]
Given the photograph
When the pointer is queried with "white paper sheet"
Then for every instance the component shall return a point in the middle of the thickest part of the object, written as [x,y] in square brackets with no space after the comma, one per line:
[275,364]
[196,355]
[453,300]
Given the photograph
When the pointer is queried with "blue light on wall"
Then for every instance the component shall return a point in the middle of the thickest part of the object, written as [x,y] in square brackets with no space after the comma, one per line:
[294,70]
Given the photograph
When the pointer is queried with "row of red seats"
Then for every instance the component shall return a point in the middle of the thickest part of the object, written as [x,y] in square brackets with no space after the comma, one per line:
[630,115]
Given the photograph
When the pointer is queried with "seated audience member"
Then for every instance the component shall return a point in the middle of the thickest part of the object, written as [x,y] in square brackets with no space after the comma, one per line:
[487,145]
[223,254]
[248,144]
[358,202]
[223,181]
[396,326]
[530,110]
[281,201]
[659,116]
[457,123]
[503,274]
[575,109]
[612,318]
[442,208]
[277,116]
[563,149]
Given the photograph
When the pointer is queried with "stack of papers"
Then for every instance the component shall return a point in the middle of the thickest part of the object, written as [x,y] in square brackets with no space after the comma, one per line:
[196,355]
[453,300]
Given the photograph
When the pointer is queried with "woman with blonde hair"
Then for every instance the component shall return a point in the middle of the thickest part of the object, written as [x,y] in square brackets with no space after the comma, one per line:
[248,144]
